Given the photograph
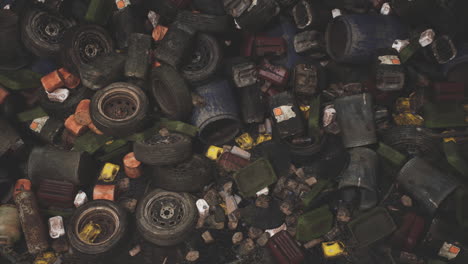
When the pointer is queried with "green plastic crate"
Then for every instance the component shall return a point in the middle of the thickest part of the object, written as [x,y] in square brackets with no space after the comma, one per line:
[20,80]
[444,115]
[393,156]
[254,177]
[31,114]
[314,224]
[455,159]
[90,142]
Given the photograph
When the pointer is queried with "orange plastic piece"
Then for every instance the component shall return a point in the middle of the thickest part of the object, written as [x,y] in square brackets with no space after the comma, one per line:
[52,81]
[74,127]
[104,192]
[120,4]
[278,111]
[22,185]
[95,130]
[3,94]
[454,250]
[132,166]
[159,32]
[71,81]
[82,115]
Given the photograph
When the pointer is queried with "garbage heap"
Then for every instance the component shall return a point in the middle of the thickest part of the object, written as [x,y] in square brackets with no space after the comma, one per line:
[233,131]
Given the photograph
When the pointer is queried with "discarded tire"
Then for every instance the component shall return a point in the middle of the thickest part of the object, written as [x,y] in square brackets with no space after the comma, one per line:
[119,109]
[166,218]
[170,92]
[112,220]
[189,176]
[42,32]
[163,150]
[83,44]
[204,22]
[205,61]
[66,108]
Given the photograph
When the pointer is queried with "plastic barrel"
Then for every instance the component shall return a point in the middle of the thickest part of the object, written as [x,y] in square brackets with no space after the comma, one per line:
[362,173]
[218,117]
[356,119]
[355,38]
[428,185]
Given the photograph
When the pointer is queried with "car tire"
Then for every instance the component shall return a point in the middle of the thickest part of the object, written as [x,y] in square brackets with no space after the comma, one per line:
[206,60]
[67,107]
[166,218]
[413,141]
[258,16]
[211,7]
[155,151]
[204,22]
[83,44]
[112,219]
[119,109]
[171,93]
[189,176]
[42,33]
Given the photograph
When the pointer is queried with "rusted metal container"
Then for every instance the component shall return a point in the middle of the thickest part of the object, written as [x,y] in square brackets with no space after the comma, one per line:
[35,232]
[285,249]
[56,193]
[132,166]
[69,80]
[52,81]
[269,45]
[104,192]
[231,162]
[10,231]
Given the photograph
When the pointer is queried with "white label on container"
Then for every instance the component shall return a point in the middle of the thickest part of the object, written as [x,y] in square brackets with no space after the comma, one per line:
[336,12]
[449,251]
[59,95]
[386,9]
[274,231]
[38,123]
[56,228]
[202,206]
[80,199]
[426,37]
[283,113]
[153,18]
[263,191]
[328,115]
[389,60]
[400,44]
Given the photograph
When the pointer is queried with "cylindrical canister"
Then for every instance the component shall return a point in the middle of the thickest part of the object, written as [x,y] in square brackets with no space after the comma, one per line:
[218,117]
[10,231]
[132,166]
[355,38]
[355,115]
[428,185]
[72,166]
[362,173]
[35,232]
[138,59]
